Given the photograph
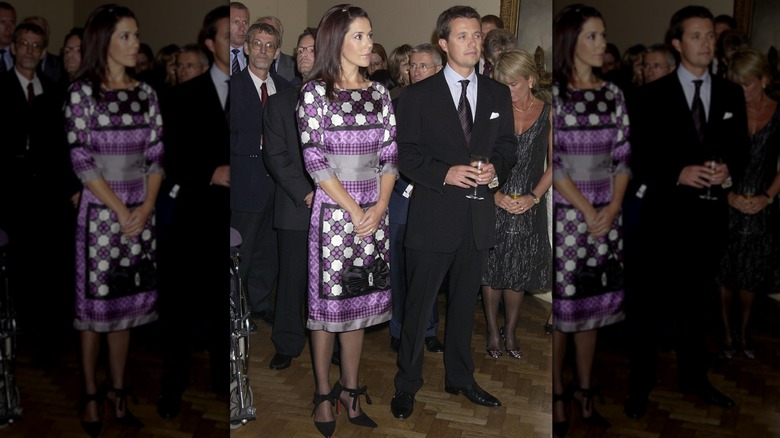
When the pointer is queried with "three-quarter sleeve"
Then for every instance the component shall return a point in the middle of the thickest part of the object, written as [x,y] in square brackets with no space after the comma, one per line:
[311,126]
[154,152]
[621,153]
[79,125]
[388,154]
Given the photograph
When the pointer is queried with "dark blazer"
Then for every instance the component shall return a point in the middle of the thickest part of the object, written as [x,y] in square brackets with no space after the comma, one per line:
[54,69]
[251,185]
[285,67]
[44,164]
[430,141]
[284,160]
[664,140]
[195,134]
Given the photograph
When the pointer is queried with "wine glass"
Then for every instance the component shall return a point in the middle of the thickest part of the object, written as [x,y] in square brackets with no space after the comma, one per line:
[711,163]
[477,161]
[514,218]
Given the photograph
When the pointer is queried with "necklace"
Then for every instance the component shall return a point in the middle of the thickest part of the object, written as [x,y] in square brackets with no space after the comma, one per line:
[522,110]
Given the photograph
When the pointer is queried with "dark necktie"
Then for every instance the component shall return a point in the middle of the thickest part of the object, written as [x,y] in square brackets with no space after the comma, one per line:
[263,94]
[235,67]
[487,69]
[464,112]
[697,110]
[3,68]
[227,102]
[30,94]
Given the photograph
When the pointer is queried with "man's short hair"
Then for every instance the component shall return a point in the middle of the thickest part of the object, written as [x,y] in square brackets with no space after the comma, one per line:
[429,49]
[664,50]
[34,18]
[238,5]
[309,31]
[494,20]
[446,17]
[500,40]
[675,31]
[7,6]
[208,30]
[277,23]
[726,19]
[263,28]
[197,50]
[33,28]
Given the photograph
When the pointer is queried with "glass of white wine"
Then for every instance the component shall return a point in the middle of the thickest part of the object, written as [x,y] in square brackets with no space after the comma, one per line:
[477,161]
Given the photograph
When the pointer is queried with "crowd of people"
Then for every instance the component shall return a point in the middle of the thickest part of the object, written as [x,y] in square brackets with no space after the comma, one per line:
[671,148]
[387,179]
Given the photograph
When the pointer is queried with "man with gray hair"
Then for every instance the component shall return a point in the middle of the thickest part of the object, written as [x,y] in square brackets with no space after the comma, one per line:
[252,188]
[659,61]
[191,61]
[424,61]
[50,64]
[283,65]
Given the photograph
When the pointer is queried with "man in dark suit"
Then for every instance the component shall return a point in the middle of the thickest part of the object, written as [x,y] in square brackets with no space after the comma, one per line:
[441,122]
[252,188]
[192,298]
[7,26]
[678,163]
[36,189]
[239,23]
[293,195]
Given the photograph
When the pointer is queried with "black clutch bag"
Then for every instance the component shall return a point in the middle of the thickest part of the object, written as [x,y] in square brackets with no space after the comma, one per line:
[129,280]
[596,280]
[362,280]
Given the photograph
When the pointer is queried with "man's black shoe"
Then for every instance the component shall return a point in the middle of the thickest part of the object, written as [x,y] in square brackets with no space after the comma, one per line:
[280,361]
[635,406]
[433,345]
[709,394]
[168,406]
[402,404]
[474,393]
[265,315]
[395,344]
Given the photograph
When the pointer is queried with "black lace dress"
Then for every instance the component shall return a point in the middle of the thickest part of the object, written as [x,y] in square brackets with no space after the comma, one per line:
[522,257]
[751,261]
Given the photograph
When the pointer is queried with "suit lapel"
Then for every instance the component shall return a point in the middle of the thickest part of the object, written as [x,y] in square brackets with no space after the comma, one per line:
[449,110]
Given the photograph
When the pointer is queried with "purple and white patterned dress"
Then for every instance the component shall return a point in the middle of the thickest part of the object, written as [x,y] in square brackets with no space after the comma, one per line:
[118,138]
[352,139]
[590,146]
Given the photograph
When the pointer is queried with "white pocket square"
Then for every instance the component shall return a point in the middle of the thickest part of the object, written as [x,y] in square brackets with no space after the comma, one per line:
[493,116]
[727,116]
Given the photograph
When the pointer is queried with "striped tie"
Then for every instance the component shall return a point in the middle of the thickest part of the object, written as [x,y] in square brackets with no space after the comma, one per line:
[235,68]
[464,112]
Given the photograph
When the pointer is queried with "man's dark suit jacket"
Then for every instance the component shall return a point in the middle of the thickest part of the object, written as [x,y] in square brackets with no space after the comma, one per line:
[285,67]
[664,140]
[430,141]
[251,185]
[283,158]
[54,69]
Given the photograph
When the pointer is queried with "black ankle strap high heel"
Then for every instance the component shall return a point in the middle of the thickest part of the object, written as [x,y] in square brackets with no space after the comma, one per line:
[595,418]
[128,419]
[92,428]
[362,419]
[326,428]
[560,428]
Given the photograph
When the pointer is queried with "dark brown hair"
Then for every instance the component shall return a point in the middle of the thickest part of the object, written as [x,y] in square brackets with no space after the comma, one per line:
[331,31]
[446,17]
[675,31]
[567,26]
[101,24]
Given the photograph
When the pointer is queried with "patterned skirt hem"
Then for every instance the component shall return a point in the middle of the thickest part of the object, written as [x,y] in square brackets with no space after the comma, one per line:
[114,326]
[348,326]
[581,326]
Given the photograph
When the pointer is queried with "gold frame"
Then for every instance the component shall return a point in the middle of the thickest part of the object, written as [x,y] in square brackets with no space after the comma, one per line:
[510,11]
[743,13]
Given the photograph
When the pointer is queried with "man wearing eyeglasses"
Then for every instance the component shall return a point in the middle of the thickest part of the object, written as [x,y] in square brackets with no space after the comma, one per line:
[424,61]
[252,188]
[191,62]
[658,62]
[35,185]
[283,64]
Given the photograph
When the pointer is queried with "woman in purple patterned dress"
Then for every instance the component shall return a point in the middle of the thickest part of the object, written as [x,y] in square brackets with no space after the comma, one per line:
[590,174]
[347,129]
[114,127]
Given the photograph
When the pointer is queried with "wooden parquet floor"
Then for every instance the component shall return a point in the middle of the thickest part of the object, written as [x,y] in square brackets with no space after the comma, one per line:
[754,385]
[283,398]
[49,386]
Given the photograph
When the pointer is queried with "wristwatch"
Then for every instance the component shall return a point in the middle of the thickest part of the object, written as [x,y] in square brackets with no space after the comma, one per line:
[534,197]
[769,199]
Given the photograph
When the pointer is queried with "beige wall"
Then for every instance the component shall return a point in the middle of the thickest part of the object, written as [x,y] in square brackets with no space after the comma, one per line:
[395,22]
[161,21]
[641,21]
